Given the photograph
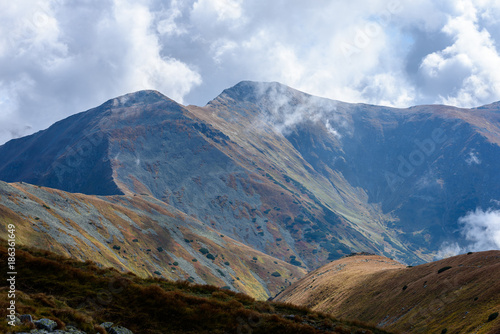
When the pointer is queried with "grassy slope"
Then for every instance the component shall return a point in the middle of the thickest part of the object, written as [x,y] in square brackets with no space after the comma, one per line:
[83,295]
[417,299]
[151,237]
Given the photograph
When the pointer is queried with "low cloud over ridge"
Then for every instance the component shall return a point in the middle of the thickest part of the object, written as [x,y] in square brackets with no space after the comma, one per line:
[481,229]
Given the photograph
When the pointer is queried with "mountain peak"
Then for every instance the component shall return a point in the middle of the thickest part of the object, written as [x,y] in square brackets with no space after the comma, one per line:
[492,106]
[252,91]
[137,98]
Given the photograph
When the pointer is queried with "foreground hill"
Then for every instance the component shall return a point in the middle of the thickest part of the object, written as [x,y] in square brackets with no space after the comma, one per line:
[83,296]
[139,234]
[455,295]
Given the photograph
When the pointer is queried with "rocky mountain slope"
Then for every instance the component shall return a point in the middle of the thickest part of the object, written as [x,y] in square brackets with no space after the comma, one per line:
[460,294]
[303,179]
[139,234]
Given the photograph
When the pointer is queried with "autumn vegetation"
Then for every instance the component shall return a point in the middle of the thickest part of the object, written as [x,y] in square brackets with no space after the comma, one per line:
[84,295]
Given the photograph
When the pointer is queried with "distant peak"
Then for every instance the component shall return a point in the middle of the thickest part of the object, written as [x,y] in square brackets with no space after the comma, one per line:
[139,97]
[254,90]
[494,105]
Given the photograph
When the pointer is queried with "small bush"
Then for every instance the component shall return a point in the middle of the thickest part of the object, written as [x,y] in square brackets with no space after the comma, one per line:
[493,316]
[443,269]
[276,274]
[160,249]
[194,260]
[210,256]
[135,240]
[175,263]
[444,331]
[116,247]
[405,287]
[204,251]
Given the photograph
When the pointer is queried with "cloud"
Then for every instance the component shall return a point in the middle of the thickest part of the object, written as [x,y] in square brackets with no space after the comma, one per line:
[448,250]
[465,73]
[285,108]
[67,57]
[481,231]
[473,158]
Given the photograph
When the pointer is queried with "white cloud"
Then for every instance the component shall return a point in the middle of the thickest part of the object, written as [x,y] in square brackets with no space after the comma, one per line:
[481,231]
[449,250]
[222,10]
[168,20]
[466,73]
[146,68]
[65,57]
[473,158]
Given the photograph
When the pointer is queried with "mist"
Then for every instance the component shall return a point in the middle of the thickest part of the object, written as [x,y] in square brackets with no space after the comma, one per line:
[481,231]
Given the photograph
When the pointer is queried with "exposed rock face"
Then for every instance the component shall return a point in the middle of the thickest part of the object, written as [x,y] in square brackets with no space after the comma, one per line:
[300,178]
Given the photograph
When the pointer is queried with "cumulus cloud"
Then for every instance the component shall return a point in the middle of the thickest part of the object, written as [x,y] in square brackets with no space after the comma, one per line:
[481,231]
[65,57]
[465,73]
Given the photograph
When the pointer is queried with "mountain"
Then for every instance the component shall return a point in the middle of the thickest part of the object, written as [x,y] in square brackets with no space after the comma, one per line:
[455,295]
[139,234]
[303,179]
[68,293]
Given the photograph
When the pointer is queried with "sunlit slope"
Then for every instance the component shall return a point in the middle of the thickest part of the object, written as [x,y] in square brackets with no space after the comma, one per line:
[458,294]
[139,234]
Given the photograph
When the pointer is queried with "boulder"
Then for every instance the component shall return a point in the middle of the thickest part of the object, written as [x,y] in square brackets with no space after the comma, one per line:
[25,318]
[46,324]
[119,330]
[107,325]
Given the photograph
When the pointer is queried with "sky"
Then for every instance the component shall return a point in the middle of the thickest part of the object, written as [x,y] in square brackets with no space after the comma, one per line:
[60,57]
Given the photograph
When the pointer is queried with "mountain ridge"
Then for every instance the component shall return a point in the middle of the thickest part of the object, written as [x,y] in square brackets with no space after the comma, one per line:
[301,178]
[455,294]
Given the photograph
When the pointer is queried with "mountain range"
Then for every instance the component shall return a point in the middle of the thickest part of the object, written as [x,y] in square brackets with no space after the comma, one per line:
[271,180]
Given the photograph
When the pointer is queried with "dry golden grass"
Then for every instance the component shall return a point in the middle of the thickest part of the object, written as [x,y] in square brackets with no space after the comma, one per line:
[83,295]
[420,299]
